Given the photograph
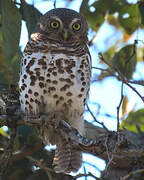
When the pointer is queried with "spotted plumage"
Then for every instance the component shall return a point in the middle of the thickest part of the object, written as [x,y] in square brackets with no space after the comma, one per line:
[55,78]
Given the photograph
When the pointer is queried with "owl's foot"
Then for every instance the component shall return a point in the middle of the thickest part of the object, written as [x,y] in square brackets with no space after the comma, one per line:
[50,129]
[54,119]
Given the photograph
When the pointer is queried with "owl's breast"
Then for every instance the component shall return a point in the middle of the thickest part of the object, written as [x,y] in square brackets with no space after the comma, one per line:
[67,81]
[54,82]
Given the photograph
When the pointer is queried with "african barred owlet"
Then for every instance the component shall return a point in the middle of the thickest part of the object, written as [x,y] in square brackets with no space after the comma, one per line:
[55,79]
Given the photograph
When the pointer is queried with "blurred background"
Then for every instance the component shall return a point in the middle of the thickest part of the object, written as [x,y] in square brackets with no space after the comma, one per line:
[116,30]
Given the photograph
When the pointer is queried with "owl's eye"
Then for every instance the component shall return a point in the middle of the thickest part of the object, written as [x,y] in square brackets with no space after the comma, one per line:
[54,24]
[76,26]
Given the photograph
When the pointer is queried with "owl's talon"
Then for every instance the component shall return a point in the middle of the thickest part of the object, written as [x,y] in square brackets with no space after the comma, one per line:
[54,119]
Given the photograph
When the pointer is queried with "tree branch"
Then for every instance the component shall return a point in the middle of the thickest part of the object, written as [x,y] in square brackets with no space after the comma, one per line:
[101,123]
[132,174]
[120,76]
[118,149]
[118,108]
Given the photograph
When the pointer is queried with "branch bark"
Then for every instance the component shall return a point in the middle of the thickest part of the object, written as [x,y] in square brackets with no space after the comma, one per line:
[123,151]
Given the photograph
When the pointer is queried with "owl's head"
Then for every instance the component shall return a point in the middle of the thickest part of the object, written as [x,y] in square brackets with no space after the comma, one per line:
[63,25]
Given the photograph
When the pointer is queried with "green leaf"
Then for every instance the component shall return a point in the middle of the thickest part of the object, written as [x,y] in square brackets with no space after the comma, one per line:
[129,17]
[3,133]
[30,15]
[112,20]
[9,70]
[14,68]
[109,53]
[11,28]
[125,60]
[134,119]
[141,9]
[96,18]
[116,6]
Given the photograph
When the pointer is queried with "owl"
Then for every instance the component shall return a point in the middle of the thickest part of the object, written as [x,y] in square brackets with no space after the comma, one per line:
[55,79]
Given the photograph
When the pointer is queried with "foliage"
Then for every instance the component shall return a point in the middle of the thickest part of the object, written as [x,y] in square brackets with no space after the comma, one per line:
[9,38]
[128,14]
[141,9]
[128,20]
[125,61]
[134,121]
[30,15]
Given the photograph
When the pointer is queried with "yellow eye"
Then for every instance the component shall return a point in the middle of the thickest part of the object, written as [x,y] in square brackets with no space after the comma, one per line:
[76,26]
[54,24]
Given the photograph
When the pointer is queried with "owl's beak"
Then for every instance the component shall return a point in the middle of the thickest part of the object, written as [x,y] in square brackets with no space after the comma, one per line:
[65,34]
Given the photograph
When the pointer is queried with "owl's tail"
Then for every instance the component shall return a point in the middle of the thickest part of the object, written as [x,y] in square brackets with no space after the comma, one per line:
[66,159]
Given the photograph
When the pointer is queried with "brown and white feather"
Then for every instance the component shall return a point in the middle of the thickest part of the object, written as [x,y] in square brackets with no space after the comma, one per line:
[55,78]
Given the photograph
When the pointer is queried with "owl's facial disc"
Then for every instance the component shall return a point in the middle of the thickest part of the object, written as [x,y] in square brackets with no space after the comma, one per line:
[70,30]
[63,25]
[64,29]
[74,29]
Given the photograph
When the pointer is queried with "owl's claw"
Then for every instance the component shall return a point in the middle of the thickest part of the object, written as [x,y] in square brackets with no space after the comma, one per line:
[54,119]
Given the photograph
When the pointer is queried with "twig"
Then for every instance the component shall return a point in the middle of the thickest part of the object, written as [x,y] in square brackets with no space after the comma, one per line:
[40,164]
[17,3]
[101,69]
[110,159]
[118,108]
[54,4]
[101,123]
[92,165]
[142,98]
[120,76]
[85,175]
[138,82]
[22,1]
[131,174]
[90,43]
[134,52]
[102,58]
